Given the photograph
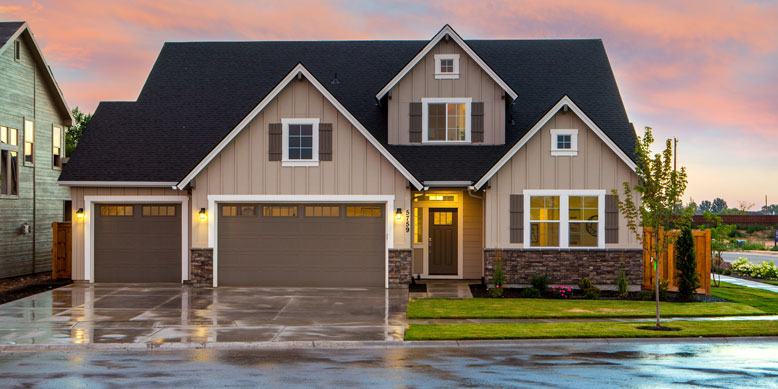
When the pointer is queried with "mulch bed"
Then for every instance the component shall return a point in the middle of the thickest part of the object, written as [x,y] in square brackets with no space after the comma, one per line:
[480,291]
[417,288]
[14,288]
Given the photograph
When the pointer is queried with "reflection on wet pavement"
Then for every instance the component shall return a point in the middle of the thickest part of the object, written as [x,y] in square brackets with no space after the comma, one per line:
[132,313]
[593,365]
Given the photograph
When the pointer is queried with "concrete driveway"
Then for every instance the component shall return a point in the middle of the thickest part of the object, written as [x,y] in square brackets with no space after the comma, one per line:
[145,313]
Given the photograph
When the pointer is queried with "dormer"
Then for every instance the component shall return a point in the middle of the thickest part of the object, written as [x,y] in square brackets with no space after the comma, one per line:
[446,95]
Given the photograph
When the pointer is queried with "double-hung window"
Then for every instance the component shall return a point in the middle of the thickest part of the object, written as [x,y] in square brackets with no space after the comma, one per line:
[300,142]
[446,120]
[29,142]
[9,161]
[564,218]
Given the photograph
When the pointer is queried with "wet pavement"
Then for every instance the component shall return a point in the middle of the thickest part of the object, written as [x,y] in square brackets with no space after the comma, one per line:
[138,313]
[547,364]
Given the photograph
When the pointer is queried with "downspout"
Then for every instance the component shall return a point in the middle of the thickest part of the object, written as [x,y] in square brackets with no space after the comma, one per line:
[34,169]
[483,226]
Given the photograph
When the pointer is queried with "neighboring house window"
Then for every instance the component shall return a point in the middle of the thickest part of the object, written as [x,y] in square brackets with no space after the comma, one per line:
[446,66]
[564,219]
[564,142]
[9,161]
[29,142]
[56,149]
[17,50]
[300,142]
[446,120]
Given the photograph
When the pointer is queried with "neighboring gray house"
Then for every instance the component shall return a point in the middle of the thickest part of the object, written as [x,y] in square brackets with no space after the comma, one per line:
[359,163]
[33,118]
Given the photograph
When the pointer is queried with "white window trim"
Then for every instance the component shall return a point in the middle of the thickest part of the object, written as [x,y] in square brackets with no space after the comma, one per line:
[285,161]
[572,151]
[438,100]
[564,216]
[446,76]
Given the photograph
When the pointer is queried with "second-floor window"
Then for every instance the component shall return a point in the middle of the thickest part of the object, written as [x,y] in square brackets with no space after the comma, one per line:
[29,142]
[56,146]
[300,142]
[446,120]
[9,161]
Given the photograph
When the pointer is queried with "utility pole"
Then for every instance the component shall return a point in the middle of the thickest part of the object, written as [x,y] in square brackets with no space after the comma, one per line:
[675,151]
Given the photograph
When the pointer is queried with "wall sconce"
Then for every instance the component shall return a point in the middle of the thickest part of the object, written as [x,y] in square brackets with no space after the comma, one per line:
[203,214]
[399,214]
[80,214]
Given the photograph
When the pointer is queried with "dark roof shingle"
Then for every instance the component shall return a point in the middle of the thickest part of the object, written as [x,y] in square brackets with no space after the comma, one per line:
[7,29]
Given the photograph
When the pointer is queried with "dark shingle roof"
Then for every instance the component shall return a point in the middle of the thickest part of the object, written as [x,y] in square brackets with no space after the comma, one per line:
[197,92]
[7,29]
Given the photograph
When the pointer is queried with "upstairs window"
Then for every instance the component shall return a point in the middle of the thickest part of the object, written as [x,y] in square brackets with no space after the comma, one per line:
[446,66]
[564,142]
[17,50]
[446,120]
[9,161]
[56,146]
[300,142]
[29,142]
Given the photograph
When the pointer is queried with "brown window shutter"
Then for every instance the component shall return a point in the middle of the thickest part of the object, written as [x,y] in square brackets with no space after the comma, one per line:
[274,142]
[414,128]
[517,218]
[611,219]
[325,142]
[477,122]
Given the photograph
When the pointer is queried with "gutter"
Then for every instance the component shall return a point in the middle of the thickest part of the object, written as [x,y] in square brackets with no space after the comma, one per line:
[433,184]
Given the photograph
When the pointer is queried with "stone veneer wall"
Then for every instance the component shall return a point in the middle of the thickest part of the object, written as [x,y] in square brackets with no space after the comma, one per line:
[400,267]
[201,270]
[566,267]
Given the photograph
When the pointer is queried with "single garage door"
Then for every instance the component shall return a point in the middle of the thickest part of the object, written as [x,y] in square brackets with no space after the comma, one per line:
[317,245]
[137,243]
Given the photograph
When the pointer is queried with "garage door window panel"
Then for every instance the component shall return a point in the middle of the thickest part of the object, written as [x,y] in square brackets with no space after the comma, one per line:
[116,210]
[322,211]
[159,210]
[279,211]
[363,211]
[239,210]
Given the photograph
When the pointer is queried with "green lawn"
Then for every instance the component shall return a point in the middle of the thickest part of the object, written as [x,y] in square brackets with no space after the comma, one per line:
[586,330]
[761,299]
[480,308]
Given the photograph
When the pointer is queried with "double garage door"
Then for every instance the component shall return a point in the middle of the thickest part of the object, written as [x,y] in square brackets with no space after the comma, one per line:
[317,245]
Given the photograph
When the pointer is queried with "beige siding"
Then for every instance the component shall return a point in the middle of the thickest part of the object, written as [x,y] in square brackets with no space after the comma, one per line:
[533,167]
[473,82]
[242,167]
[78,194]
[472,237]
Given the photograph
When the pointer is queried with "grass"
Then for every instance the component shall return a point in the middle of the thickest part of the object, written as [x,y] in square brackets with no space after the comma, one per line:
[763,300]
[481,308]
[587,330]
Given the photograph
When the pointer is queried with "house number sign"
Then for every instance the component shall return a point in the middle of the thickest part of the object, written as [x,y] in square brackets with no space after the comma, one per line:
[407,220]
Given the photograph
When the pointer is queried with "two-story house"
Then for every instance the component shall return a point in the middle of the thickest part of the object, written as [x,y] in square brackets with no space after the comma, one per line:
[359,163]
[33,118]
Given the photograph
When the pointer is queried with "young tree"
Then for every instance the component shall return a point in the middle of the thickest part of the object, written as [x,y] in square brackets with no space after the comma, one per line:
[719,232]
[659,192]
[718,206]
[73,134]
[686,263]
[705,206]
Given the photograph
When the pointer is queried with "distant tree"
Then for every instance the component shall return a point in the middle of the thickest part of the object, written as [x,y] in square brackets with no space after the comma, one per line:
[771,209]
[719,232]
[693,206]
[705,206]
[686,264]
[718,206]
[732,211]
[744,206]
[73,134]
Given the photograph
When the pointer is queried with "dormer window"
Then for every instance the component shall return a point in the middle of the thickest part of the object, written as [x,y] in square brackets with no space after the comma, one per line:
[564,143]
[446,120]
[446,66]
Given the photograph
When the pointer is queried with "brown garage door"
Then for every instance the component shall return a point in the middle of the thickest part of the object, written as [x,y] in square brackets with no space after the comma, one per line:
[321,245]
[137,243]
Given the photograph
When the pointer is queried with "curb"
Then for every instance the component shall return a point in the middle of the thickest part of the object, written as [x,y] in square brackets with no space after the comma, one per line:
[331,345]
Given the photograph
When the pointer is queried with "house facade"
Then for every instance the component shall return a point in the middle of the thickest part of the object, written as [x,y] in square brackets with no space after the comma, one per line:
[344,164]
[33,119]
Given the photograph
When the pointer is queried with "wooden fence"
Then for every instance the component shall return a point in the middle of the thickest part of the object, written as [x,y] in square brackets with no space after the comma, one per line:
[667,264]
[742,220]
[60,250]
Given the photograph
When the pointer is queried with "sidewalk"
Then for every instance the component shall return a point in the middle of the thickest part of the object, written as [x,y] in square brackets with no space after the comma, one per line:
[750,284]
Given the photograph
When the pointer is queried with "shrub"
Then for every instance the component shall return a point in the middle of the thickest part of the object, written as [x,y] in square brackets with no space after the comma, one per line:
[727,272]
[585,283]
[589,290]
[622,286]
[530,293]
[646,295]
[736,234]
[753,246]
[774,248]
[686,264]
[562,292]
[540,283]
[499,279]
[763,270]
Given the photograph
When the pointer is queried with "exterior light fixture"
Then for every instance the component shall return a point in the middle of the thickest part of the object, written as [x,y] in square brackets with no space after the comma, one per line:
[399,214]
[80,214]
[203,214]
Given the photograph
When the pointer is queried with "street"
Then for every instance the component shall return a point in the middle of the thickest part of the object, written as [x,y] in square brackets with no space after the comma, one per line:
[624,363]
[756,258]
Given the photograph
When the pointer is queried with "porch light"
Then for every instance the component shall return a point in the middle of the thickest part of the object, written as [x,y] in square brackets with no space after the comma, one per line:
[203,214]
[399,214]
[80,214]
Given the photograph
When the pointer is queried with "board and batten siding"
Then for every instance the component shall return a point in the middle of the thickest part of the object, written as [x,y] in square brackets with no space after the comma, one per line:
[533,167]
[243,168]
[78,193]
[420,83]
[473,237]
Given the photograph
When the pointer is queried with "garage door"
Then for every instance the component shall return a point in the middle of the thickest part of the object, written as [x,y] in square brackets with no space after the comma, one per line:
[320,245]
[137,243]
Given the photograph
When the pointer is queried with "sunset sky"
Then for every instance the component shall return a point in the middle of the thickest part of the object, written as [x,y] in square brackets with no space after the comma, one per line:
[703,71]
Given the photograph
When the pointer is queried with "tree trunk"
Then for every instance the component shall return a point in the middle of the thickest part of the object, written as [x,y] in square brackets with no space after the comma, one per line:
[656,264]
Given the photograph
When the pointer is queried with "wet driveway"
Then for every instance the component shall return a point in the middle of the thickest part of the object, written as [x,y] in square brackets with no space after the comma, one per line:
[144,313]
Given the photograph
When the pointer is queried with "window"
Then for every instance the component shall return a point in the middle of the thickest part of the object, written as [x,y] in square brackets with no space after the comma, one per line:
[322,211]
[17,50]
[56,146]
[116,210]
[564,142]
[418,224]
[300,142]
[29,142]
[279,210]
[436,197]
[446,66]
[446,120]
[442,218]
[159,210]
[9,161]
[564,219]
[363,211]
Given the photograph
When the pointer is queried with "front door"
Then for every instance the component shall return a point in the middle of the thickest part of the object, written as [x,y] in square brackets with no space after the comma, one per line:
[443,241]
